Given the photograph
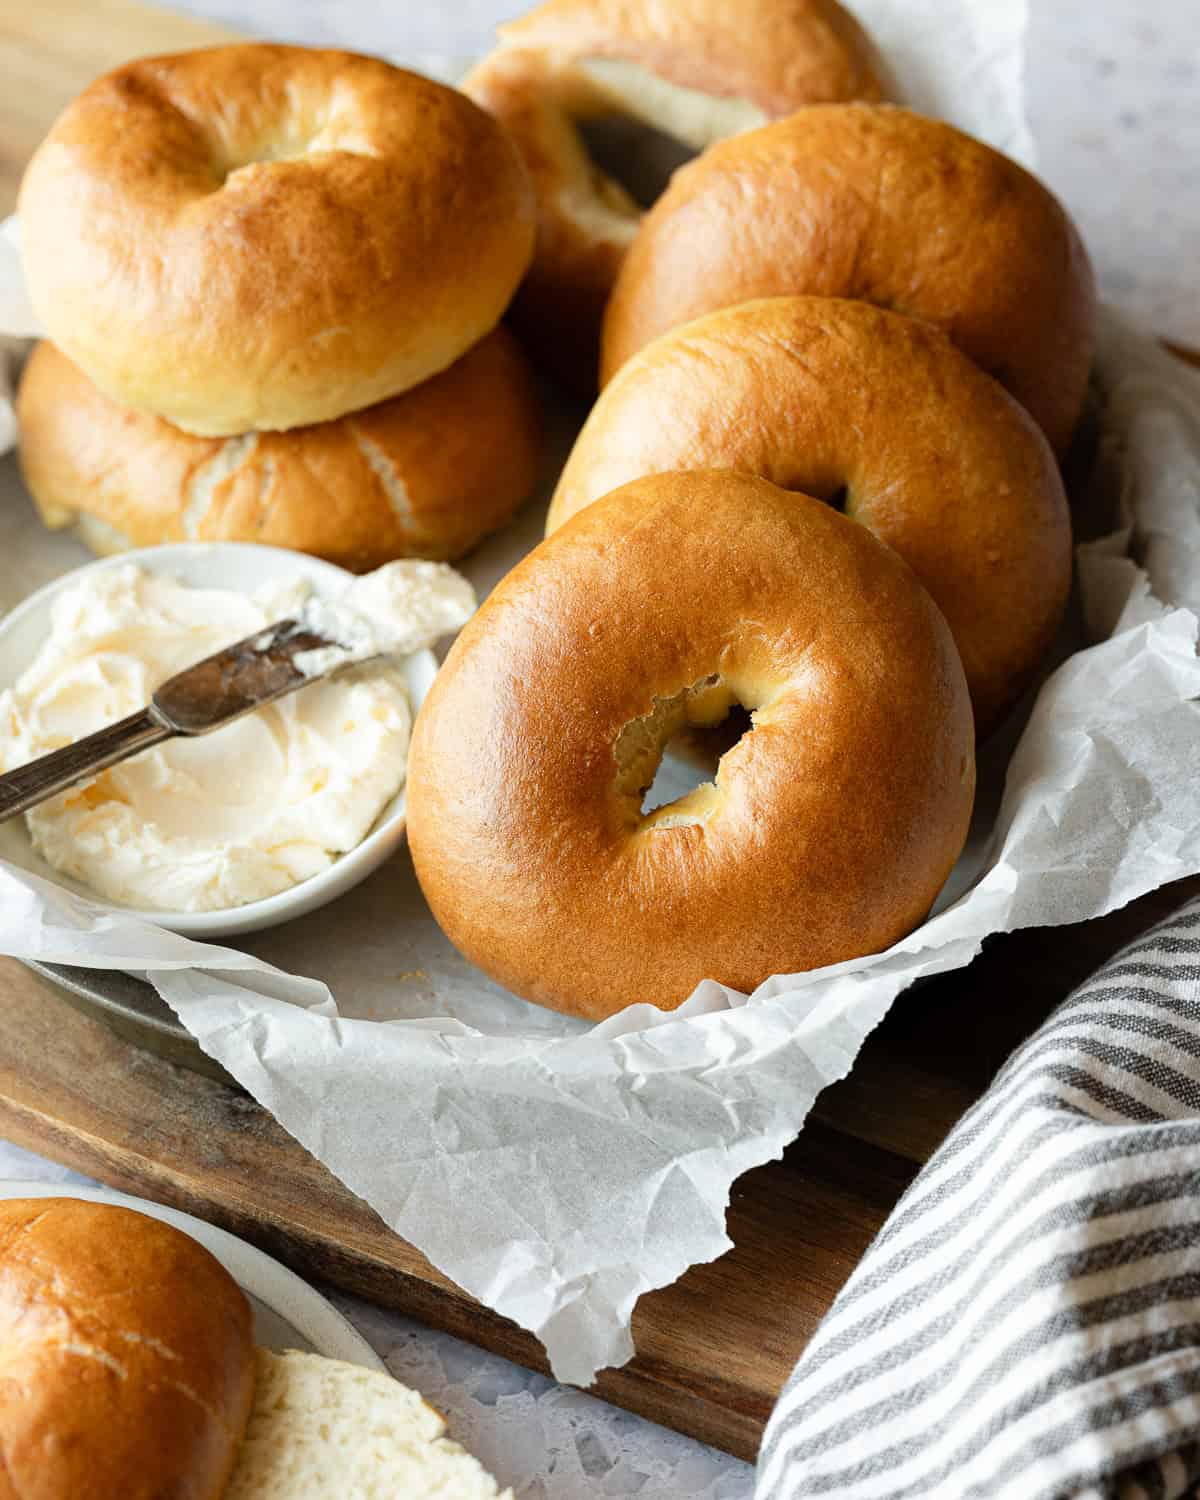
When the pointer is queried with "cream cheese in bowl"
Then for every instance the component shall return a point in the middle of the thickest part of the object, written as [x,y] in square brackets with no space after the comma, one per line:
[246,813]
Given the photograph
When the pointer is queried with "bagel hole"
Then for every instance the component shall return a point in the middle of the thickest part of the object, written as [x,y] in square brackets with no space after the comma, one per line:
[639,157]
[837,499]
[690,758]
[818,487]
[639,126]
[667,759]
[321,138]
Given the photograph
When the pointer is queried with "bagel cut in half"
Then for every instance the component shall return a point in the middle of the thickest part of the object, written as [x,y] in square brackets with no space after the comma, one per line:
[128,1360]
[321,1429]
[830,826]
[881,415]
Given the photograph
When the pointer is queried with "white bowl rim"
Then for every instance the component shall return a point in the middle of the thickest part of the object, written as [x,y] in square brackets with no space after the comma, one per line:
[283,1292]
[348,868]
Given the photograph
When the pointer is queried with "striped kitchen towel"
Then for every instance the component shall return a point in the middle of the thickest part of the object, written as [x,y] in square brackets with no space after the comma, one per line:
[1027,1324]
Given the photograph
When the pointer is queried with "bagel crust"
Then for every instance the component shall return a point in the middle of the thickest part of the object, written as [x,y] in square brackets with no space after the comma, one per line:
[127,1356]
[874,203]
[778,54]
[726,68]
[263,237]
[831,825]
[586,219]
[425,474]
[845,401]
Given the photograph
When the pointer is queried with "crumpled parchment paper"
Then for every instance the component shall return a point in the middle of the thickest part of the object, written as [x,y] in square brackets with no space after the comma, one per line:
[558,1171]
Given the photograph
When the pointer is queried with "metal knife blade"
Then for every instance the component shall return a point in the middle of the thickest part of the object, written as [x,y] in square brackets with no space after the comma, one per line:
[201,698]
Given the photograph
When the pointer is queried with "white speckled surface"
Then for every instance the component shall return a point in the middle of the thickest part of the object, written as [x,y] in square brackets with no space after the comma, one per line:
[1114,100]
[1114,94]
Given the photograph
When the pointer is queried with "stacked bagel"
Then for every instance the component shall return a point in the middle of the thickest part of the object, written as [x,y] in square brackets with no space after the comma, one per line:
[840,359]
[272,279]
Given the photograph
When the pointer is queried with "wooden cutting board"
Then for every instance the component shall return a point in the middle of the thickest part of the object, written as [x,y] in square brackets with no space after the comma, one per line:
[51,49]
[714,1349]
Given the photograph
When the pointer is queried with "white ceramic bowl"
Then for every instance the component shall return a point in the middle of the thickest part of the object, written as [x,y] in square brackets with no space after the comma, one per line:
[288,1313]
[244,567]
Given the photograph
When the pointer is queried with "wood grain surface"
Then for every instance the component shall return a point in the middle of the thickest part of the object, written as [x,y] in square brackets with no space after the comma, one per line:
[713,1349]
[50,49]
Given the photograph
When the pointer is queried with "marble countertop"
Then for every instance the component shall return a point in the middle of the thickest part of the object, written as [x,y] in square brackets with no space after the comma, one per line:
[1114,100]
[1113,89]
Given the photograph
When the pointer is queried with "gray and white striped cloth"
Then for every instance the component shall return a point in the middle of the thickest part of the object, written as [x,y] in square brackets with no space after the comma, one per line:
[1027,1323]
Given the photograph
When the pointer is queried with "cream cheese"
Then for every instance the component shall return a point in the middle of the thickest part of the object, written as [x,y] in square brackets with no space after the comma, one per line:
[394,611]
[257,806]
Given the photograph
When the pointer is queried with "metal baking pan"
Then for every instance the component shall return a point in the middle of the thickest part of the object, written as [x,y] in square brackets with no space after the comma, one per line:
[135,1011]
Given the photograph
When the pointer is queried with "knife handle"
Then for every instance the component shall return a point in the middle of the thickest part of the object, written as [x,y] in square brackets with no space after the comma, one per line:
[53,773]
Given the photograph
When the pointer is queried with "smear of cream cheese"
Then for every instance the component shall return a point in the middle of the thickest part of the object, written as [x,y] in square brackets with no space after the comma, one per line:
[398,609]
[257,806]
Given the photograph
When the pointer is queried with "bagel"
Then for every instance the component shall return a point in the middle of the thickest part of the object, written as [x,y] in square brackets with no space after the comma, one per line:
[127,1354]
[260,237]
[831,825]
[324,1430]
[425,474]
[697,70]
[875,203]
[882,414]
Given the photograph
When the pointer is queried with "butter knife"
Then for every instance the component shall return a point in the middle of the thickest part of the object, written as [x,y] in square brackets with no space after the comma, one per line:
[199,699]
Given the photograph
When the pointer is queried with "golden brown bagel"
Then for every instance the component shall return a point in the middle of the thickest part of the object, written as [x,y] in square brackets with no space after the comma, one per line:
[875,203]
[832,824]
[880,412]
[262,237]
[425,474]
[126,1355]
[699,70]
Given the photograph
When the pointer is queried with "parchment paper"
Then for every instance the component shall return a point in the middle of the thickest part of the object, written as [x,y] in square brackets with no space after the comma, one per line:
[557,1171]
